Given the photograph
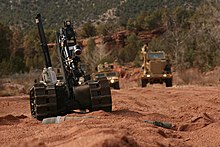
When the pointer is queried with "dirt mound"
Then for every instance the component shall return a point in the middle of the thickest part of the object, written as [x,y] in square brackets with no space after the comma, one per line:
[118,141]
[32,143]
[197,123]
[11,119]
[99,113]
[157,117]
[9,89]
[8,119]
[101,137]
[127,113]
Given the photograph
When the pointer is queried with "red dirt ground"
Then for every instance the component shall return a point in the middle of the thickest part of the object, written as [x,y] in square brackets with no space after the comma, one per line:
[193,111]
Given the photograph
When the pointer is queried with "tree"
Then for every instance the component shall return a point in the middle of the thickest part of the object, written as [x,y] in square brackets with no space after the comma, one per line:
[88,30]
[207,38]
[95,54]
[102,29]
[139,25]
[34,58]
[130,24]
[32,50]
[129,52]
[5,49]
[5,41]
[192,37]
[153,20]
[17,62]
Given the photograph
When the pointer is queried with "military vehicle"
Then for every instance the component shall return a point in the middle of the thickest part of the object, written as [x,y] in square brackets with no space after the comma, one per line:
[156,68]
[106,70]
[59,74]
[73,90]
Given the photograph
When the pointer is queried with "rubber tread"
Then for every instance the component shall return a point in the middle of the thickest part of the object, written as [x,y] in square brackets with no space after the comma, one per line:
[101,95]
[43,101]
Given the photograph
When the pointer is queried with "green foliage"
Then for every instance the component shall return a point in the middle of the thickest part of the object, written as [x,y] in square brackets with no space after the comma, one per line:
[129,52]
[88,30]
[4,65]
[95,54]
[34,58]
[140,24]
[131,9]
[91,46]
[56,12]
[154,20]
[183,16]
[17,64]
[193,40]
[102,29]
[5,41]
[12,53]
[88,52]
[130,24]
[145,21]
[204,36]
[32,50]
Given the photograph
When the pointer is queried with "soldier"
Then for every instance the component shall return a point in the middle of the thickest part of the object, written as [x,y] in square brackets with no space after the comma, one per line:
[100,67]
[144,48]
[167,67]
[106,66]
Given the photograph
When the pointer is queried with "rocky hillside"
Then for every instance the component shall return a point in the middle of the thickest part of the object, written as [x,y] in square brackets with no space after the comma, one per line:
[22,12]
[118,39]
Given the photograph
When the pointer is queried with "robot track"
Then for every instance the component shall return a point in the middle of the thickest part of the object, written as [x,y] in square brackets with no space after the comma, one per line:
[43,101]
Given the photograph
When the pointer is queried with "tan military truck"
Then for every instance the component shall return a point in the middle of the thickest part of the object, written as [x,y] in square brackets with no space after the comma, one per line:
[84,68]
[156,68]
[106,70]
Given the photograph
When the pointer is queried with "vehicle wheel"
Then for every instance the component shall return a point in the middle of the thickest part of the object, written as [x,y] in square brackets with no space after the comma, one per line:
[101,98]
[143,83]
[169,82]
[107,109]
[116,85]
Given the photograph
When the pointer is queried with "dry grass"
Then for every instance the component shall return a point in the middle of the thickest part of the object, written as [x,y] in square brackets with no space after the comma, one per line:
[195,77]
[18,84]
